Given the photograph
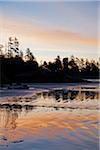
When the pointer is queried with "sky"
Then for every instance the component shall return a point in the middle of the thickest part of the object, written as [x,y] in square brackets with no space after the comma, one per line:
[52,28]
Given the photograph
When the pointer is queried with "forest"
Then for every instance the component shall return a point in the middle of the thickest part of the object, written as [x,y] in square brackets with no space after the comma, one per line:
[16,67]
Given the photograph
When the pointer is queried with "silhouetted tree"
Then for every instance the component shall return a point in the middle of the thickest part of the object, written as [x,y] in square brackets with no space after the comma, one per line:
[29,55]
[14,69]
[13,47]
[1,50]
[65,64]
[21,54]
[58,64]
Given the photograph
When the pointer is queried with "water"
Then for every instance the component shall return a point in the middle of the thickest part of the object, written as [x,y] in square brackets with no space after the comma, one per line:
[27,129]
[50,117]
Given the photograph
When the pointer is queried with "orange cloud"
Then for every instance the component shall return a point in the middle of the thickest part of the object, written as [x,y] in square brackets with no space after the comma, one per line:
[44,35]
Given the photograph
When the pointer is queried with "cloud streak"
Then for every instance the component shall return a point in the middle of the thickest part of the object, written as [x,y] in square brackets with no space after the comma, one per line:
[45,35]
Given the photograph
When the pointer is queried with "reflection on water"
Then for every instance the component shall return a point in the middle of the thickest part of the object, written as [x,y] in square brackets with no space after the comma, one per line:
[73,127]
[8,118]
[39,123]
[71,94]
[56,98]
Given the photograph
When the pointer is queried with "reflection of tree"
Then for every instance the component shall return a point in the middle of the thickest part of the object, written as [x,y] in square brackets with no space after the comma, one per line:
[65,96]
[45,94]
[57,96]
[13,121]
[8,118]
[97,96]
[72,95]
[28,108]
[9,115]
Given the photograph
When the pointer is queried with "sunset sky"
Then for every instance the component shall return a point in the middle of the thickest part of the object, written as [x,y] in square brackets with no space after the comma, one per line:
[52,28]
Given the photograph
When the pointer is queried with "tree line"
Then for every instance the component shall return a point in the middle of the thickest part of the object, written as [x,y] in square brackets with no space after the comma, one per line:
[15,67]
